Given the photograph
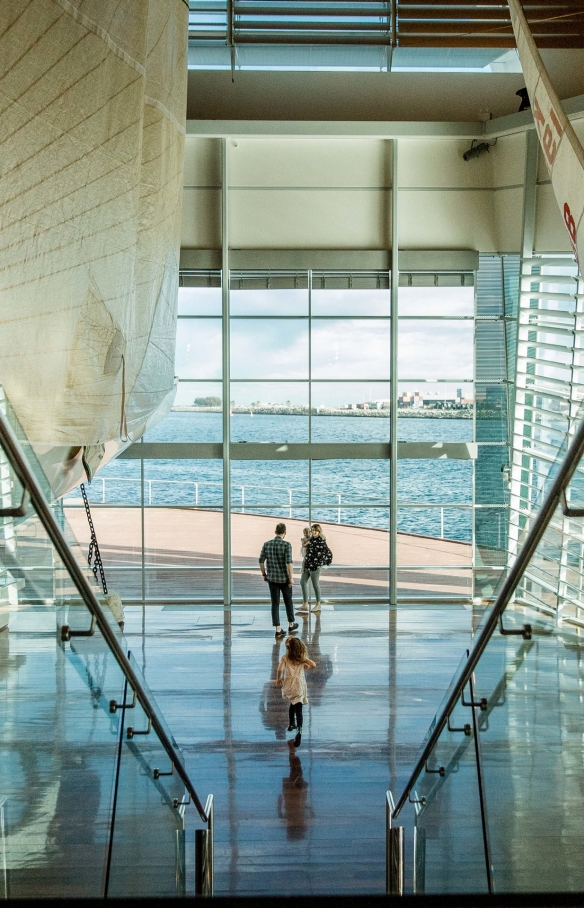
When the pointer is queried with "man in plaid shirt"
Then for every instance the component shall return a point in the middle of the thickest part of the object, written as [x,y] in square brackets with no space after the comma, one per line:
[276,567]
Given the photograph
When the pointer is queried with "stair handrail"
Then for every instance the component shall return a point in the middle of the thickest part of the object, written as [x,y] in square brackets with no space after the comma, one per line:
[555,496]
[28,481]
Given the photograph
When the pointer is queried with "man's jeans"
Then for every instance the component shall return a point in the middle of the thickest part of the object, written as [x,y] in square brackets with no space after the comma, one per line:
[275,589]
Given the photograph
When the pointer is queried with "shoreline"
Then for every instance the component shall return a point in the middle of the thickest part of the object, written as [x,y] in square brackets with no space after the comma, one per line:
[331,411]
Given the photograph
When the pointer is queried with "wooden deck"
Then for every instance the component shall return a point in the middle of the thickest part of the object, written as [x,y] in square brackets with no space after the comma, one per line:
[184,551]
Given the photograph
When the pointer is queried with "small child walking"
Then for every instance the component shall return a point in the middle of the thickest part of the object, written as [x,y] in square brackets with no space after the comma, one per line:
[292,680]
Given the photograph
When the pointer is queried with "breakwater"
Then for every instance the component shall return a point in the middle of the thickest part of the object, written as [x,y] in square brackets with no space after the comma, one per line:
[425,412]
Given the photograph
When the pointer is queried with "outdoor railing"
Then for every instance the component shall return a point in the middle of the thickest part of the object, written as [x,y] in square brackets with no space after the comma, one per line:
[294,498]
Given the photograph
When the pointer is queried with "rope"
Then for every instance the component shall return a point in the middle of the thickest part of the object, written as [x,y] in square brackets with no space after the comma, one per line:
[94,553]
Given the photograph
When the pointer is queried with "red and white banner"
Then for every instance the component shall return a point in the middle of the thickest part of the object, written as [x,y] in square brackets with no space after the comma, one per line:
[563,153]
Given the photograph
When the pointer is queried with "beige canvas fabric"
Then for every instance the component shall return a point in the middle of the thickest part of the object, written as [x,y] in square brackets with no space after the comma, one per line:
[561,149]
[92,122]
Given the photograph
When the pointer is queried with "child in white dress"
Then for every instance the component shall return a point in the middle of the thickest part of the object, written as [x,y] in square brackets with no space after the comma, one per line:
[292,680]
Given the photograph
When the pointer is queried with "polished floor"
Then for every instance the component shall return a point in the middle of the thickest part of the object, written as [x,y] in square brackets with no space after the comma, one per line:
[307,820]
[288,821]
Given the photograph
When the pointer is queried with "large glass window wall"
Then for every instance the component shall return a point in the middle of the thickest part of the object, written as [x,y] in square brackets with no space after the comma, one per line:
[308,406]
[550,389]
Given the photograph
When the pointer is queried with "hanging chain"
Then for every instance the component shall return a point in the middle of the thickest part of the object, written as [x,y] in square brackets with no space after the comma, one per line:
[93,553]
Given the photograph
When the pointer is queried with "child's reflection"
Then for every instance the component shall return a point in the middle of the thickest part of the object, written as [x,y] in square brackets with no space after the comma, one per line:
[292,802]
[273,708]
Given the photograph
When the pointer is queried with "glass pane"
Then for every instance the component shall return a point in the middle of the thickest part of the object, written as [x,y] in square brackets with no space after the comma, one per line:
[352,483]
[433,582]
[343,348]
[350,302]
[436,400]
[359,541]
[450,821]
[248,534]
[146,856]
[183,529]
[269,348]
[269,302]
[269,487]
[184,483]
[183,550]
[491,412]
[58,740]
[198,348]
[119,533]
[269,412]
[199,301]
[118,483]
[431,482]
[531,730]
[196,415]
[435,349]
[350,412]
[442,523]
[436,301]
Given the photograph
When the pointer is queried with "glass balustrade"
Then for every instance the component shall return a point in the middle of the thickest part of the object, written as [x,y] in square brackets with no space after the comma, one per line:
[92,803]
[495,802]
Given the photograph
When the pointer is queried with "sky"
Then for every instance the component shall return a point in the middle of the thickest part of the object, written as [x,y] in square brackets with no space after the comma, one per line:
[270,355]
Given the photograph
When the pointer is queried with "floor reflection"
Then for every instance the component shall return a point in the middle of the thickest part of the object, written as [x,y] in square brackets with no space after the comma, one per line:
[292,806]
[320,807]
[317,678]
[273,707]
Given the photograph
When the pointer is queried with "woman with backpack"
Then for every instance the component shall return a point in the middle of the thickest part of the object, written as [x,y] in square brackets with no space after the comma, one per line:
[316,554]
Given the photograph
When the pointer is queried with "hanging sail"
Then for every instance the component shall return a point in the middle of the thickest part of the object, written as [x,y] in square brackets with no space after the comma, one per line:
[92,124]
[562,151]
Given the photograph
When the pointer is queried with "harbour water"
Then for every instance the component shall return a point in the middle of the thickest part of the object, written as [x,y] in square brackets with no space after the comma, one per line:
[343,491]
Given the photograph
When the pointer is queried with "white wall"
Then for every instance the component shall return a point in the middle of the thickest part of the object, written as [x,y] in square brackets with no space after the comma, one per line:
[331,193]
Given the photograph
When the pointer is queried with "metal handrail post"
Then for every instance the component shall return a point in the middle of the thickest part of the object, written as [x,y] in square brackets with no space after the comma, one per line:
[481,786]
[210,811]
[552,500]
[26,478]
[204,855]
[394,851]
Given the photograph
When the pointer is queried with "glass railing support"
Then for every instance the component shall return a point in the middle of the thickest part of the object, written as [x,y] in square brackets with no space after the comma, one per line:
[20,510]
[67,633]
[549,505]
[464,728]
[28,481]
[394,851]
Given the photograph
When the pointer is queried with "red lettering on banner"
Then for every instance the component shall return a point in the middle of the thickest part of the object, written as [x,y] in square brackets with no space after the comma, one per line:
[571,226]
[556,122]
[537,114]
[546,135]
[549,144]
